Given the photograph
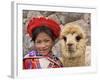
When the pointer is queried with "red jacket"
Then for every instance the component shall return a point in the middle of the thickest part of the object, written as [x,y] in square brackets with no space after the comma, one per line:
[35,61]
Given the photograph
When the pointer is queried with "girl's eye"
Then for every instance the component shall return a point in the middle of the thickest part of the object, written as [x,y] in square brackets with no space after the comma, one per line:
[78,38]
[38,42]
[47,40]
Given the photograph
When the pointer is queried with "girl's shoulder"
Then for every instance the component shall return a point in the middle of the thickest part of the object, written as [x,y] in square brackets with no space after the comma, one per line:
[32,54]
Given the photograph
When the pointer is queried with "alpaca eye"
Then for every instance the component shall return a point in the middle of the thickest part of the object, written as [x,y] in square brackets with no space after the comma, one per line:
[65,39]
[78,38]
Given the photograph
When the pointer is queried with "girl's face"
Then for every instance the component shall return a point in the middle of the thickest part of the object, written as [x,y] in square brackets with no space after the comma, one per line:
[43,43]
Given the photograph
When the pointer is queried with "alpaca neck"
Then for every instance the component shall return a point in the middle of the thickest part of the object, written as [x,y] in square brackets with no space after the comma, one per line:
[75,61]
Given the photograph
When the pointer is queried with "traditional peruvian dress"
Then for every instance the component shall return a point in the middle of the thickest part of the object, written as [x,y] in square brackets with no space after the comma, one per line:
[34,60]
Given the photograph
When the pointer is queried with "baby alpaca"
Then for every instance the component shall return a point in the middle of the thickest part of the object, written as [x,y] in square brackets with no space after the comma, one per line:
[73,45]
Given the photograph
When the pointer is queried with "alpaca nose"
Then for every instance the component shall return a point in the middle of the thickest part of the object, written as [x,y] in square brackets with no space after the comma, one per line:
[70,47]
[70,44]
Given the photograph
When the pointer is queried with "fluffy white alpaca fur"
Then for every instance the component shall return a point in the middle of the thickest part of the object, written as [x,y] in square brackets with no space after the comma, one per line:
[73,45]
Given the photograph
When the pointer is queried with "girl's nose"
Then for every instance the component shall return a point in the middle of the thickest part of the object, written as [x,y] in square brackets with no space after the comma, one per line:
[43,45]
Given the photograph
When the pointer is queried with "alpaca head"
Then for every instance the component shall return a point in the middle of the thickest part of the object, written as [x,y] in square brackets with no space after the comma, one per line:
[73,41]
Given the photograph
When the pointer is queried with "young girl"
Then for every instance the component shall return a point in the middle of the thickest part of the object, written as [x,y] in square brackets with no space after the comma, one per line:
[43,32]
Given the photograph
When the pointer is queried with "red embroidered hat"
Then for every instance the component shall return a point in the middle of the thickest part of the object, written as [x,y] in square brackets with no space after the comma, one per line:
[42,21]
